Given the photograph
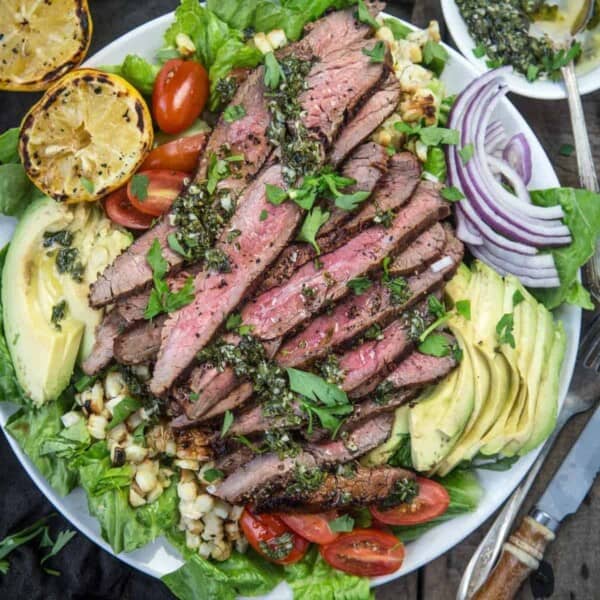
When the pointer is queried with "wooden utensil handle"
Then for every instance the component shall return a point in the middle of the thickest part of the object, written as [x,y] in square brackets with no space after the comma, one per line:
[520,557]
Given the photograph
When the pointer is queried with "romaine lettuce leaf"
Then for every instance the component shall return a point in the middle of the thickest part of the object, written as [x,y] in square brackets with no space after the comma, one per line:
[137,71]
[582,217]
[16,190]
[8,146]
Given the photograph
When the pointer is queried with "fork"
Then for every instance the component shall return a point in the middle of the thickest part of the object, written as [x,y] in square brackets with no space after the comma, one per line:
[583,394]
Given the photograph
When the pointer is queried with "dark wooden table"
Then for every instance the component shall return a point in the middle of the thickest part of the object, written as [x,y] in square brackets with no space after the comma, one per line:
[574,556]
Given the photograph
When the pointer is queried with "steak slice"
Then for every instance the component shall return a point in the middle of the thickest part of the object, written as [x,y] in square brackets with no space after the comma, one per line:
[217,294]
[279,310]
[426,249]
[393,190]
[357,313]
[269,472]
[141,343]
[102,350]
[369,117]
[361,487]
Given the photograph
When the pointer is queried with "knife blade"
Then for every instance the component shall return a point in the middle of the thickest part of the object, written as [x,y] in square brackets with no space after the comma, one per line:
[574,478]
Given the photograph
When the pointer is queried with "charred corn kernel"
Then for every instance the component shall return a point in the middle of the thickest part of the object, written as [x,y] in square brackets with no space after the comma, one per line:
[187,490]
[164,477]
[189,510]
[71,418]
[184,45]
[135,454]
[146,480]
[93,398]
[232,531]
[241,545]
[134,420]
[106,413]
[155,493]
[170,448]
[205,503]
[118,433]
[187,463]
[192,540]
[187,475]
[383,137]
[222,509]
[421,150]
[213,527]
[141,372]
[117,456]
[236,513]
[385,33]
[194,525]
[277,38]
[135,499]
[221,551]
[408,52]
[262,42]
[413,77]
[433,31]
[114,384]
[205,549]
[113,403]
[97,426]
[420,37]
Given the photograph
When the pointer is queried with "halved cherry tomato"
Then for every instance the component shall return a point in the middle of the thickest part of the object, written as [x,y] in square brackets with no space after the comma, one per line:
[312,527]
[162,189]
[121,211]
[180,93]
[365,552]
[178,155]
[271,538]
[432,501]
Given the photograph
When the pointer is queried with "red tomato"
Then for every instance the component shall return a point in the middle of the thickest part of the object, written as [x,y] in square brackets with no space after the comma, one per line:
[178,155]
[432,501]
[162,189]
[180,93]
[313,527]
[264,533]
[365,552]
[120,210]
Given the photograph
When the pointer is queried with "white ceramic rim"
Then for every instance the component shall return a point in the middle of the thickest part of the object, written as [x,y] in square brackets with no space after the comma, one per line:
[159,557]
[540,89]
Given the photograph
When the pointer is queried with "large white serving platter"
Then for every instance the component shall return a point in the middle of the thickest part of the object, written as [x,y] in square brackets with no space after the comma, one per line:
[160,558]
[543,89]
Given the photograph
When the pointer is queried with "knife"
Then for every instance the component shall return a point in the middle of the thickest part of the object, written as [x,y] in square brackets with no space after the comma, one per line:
[525,548]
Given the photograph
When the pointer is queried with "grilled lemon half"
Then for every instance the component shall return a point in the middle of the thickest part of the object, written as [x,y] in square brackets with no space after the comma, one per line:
[86,136]
[40,40]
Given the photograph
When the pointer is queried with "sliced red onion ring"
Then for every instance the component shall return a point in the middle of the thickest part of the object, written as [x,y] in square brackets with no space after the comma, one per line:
[495,137]
[517,154]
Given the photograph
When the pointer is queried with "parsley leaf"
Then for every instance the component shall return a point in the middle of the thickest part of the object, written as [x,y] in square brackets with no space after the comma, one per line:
[532,73]
[211,475]
[435,344]
[364,16]
[434,57]
[479,51]
[504,330]
[463,308]
[377,53]
[273,72]
[566,150]
[452,194]
[263,215]
[436,308]
[63,538]
[430,136]
[466,153]
[87,185]
[176,246]
[218,169]
[275,194]
[314,220]
[139,186]
[234,112]
[342,524]
[351,201]
[517,297]
[359,285]
[234,320]
[227,423]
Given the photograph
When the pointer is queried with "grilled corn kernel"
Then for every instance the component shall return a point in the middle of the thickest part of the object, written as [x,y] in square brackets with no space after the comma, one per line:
[232,531]
[205,503]
[222,509]
[171,448]
[113,384]
[221,551]
[383,137]
[277,38]
[187,475]
[385,33]
[187,490]
[118,433]
[408,52]
[135,419]
[113,403]
[135,454]
[189,510]
[433,31]
[192,540]
[421,150]
[236,513]
[262,43]
[155,493]
[205,549]
[146,480]
[135,499]
[117,456]
[241,545]
[414,77]
[187,463]
[97,426]
[194,525]
[93,398]
[213,527]
[71,418]
[184,45]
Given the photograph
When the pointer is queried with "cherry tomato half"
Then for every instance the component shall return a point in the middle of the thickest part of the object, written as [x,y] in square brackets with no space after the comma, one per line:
[178,155]
[313,527]
[121,211]
[160,192]
[432,501]
[271,538]
[365,552]
[180,93]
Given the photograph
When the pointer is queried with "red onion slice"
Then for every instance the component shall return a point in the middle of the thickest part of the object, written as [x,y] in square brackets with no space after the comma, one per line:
[517,154]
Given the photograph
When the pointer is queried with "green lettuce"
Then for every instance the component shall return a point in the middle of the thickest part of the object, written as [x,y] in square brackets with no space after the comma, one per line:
[313,579]
[137,71]
[582,217]
[8,146]
[465,494]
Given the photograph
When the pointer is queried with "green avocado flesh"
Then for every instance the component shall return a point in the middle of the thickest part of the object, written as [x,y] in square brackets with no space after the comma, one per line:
[500,400]
[45,352]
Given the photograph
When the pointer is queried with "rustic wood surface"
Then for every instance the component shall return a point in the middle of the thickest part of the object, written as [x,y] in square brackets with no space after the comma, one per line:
[574,556]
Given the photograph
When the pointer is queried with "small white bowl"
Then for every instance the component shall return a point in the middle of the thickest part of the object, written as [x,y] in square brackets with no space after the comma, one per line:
[541,89]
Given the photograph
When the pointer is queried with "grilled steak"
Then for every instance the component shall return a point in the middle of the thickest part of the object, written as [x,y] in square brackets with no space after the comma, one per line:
[370,116]
[268,471]
[141,343]
[426,249]
[102,350]
[278,311]
[361,487]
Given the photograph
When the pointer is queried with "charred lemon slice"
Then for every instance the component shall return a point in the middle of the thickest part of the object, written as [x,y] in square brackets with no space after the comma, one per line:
[40,40]
[86,136]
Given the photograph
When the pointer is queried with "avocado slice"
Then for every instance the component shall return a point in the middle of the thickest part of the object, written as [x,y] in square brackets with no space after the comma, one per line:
[457,287]
[383,453]
[44,353]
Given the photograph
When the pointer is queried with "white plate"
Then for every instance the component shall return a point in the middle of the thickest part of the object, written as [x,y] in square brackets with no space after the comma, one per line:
[542,89]
[160,558]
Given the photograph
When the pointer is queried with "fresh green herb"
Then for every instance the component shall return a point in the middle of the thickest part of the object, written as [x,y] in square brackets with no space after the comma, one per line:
[275,194]
[85,382]
[399,30]
[234,320]
[279,547]
[430,136]
[399,289]
[274,74]
[437,323]
[359,285]
[123,410]
[194,396]
[403,492]
[308,292]
[532,73]
[463,308]
[351,201]
[479,51]
[13,541]
[219,169]
[466,153]
[59,312]
[504,330]
[553,63]
[566,150]
[139,186]
[364,16]
[313,221]
[67,261]
[435,57]
[87,185]
[517,298]
[390,150]
[176,246]
[435,344]
[330,369]
[435,164]
[139,72]
[377,53]
[9,141]
[63,538]
[452,194]
[263,215]
[385,217]
[227,423]
[64,238]
[161,299]
[402,456]
[494,63]
[436,308]
[374,332]
[234,112]
[211,475]
[342,524]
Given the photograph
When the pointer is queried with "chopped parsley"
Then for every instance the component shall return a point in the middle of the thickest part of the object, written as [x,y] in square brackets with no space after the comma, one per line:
[377,53]
[275,195]
[430,136]
[234,112]
[364,16]
[466,153]
[59,312]
[463,308]
[517,298]
[342,524]
[359,285]
[435,344]
[436,308]
[566,150]
[278,548]
[434,57]
[504,330]
[274,74]
[211,475]
[479,51]
[263,215]
[452,194]
[314,220]
[139,186]
[87,185]
[227,423]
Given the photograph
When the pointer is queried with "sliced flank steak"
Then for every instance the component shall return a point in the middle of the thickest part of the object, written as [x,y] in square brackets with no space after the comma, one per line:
[359,487]
[426,249]
[141,343]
